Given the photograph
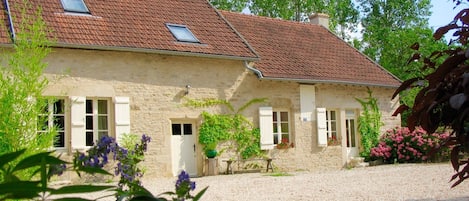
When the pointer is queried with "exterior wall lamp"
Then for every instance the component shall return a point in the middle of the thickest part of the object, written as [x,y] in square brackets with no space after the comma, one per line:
[188,87]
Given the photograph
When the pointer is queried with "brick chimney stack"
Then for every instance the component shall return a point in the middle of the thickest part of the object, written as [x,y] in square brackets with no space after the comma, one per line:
[320,19]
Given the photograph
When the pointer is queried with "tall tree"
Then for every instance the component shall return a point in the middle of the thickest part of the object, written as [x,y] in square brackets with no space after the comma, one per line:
[383,17]
[231,5]
[343,13]
[444,98]
[389,29]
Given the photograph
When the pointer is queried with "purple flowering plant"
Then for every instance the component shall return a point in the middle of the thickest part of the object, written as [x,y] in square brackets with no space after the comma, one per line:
[128,160]
[184,186]
[93,161]
[402,145]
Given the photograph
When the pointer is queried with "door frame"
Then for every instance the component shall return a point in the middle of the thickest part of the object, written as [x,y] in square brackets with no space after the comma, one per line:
[348,153]
[194,168]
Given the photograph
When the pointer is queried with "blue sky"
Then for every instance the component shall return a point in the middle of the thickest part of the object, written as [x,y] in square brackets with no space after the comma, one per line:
[442,12]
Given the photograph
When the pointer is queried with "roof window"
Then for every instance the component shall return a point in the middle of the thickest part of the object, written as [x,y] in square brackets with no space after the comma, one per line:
[75,6]
[182,33]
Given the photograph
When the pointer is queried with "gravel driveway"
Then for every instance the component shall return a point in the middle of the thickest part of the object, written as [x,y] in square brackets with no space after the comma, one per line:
[413,182]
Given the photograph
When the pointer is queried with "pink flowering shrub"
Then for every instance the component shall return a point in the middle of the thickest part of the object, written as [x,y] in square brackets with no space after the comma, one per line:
[401,145]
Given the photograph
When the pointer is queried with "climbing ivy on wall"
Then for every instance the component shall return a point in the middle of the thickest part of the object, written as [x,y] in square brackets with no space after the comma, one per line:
[369,124]
[234,127]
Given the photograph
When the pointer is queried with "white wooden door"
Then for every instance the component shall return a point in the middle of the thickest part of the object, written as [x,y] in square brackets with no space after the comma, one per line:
[351,133]
[183,148]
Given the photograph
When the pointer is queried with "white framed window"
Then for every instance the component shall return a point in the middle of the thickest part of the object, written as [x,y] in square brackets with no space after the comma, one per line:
[76,6]
[351,127]
[331,127]
[281,126]
[54,118]
[94,117]
[331,119]
[97,120]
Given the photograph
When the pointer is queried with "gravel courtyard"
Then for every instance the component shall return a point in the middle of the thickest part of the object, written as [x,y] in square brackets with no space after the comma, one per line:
[412,182]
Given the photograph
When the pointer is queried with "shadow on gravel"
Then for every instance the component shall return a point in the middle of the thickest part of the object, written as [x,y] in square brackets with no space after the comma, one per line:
[450,199]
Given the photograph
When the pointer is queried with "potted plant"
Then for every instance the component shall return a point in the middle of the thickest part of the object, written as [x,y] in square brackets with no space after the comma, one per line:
[211,150]
[284,144]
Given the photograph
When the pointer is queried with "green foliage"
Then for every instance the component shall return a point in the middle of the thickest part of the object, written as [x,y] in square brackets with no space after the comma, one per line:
[21,85]
[45,165]
[182,192]
[343,13]
[129,140]
[248,145]
[214,129]
[443,98]
[232,5]
[234,127]
[381,18]
[208,103]
[369,124]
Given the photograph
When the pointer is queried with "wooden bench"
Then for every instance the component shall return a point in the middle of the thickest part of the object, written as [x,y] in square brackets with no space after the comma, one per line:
[229,168]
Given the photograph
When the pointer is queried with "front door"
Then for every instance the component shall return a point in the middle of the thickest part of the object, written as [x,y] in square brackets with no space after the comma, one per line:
[183,148]
[351,133]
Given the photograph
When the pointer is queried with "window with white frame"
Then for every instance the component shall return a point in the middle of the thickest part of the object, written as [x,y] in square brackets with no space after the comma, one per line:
[350,126]
[281,126]
[54,118]
[97,120]
[331,127]
[80,121]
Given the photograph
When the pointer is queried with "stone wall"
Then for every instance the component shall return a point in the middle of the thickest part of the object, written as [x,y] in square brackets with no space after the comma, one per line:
[156,85]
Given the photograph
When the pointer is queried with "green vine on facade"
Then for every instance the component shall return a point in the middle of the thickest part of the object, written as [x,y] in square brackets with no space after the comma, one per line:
[234,127]
[369,124]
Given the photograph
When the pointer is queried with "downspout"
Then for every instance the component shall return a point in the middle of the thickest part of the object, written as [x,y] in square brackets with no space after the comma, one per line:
[10,20]
[257,72]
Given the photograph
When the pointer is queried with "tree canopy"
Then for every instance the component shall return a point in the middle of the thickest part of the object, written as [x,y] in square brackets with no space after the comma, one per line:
[343,13]
[443,100]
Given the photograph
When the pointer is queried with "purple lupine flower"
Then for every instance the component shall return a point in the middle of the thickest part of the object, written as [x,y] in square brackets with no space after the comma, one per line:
[192,185]
[184,181]
[182,177]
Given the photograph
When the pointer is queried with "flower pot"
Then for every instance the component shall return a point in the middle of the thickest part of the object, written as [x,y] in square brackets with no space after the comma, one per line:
[211,153]
[282,147]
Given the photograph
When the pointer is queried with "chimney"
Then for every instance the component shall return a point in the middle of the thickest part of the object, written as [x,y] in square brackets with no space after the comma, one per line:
[320,19]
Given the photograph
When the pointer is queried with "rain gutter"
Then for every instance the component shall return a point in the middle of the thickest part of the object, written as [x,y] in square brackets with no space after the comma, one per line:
[10,20]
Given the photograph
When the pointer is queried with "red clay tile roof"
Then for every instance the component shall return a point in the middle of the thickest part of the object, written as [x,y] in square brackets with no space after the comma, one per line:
[306,53]
[4,30]
[141,25]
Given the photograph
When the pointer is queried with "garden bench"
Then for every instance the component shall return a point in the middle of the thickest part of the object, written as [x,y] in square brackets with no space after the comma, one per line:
[229,162]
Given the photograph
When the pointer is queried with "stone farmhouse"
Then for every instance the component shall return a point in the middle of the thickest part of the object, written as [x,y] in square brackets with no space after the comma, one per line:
[128,66]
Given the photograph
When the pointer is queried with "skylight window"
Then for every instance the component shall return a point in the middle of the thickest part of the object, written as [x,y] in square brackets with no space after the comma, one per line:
[182,33]
[76,6]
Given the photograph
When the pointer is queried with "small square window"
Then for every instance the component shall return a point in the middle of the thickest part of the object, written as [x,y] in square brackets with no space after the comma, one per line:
[76,6]
[182,33]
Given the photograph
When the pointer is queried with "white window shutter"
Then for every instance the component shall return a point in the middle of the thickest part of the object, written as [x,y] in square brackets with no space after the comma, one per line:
[322,126]
[266,128]
[307,102]
[78,114]
[122,116]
